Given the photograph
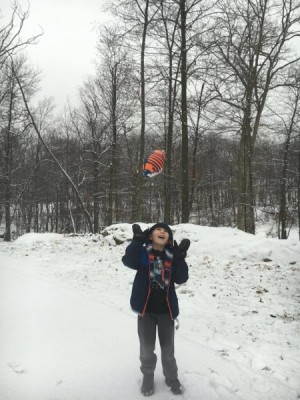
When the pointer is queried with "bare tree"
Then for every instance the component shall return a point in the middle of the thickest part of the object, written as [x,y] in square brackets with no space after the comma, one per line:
[168,67]
[251,43]
[184,116]
[90,123]
[50,152]
[8,158]
[115,87]
[139,16]
[10,44]
[193,23]
[13,125]
[288,124]
[10,34]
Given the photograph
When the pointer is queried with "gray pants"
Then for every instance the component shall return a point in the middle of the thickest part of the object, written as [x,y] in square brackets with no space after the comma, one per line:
[147,335]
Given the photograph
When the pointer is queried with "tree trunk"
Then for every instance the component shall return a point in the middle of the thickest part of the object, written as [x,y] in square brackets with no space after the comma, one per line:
[56,210]
[113,165]
[184,126]
[283,186]
[283,191]
[245,216]
[172,95]
[168,178]
[47,213]
[96,193]
[36,189]
[7,181]
[299,188]
[139,177]
[8,167]
[169,144]
[195,147]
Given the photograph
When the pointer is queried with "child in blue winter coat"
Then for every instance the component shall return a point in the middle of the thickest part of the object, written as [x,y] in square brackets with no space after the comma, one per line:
[159,264]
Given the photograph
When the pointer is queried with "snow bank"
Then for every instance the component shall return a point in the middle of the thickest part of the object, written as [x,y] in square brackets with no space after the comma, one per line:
[220,243]
[235,245]
[30,238]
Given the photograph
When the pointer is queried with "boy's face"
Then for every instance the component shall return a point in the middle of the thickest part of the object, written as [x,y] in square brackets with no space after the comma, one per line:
[160,237]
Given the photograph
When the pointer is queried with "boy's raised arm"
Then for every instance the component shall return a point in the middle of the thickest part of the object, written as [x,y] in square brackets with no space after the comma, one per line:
[132,257]
[181,270]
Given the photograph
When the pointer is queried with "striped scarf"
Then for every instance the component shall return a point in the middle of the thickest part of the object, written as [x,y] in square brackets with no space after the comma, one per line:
[159,271]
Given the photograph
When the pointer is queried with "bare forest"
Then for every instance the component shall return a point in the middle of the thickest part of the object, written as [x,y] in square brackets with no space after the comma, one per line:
[216,84]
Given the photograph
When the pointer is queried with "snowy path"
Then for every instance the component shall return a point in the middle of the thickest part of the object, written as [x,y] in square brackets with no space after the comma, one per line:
[55,344]
[66,331]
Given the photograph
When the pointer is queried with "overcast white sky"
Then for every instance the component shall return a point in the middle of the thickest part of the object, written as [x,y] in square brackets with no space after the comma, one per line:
[66,50]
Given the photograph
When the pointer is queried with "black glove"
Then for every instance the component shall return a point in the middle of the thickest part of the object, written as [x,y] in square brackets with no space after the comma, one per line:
[138,234]
[179,251]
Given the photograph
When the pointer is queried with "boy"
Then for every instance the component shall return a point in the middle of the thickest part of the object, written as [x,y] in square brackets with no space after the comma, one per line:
[159,264]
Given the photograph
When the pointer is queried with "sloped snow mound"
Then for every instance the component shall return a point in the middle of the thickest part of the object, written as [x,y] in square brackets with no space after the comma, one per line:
[120,233]
[30,238]
[233,244]
[220,243]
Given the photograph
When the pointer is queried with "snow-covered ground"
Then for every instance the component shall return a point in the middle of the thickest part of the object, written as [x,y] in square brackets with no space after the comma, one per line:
[67,331]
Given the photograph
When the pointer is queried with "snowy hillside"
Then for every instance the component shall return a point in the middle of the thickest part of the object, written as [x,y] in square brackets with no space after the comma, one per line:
[67,331]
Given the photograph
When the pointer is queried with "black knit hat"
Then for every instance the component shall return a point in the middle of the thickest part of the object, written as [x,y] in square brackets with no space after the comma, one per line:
[164,226]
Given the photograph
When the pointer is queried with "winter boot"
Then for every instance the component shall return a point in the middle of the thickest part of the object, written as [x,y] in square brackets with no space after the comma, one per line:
[174,385]
[148,385]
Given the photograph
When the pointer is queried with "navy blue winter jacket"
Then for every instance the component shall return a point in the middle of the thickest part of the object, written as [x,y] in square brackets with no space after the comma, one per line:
[136,257]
